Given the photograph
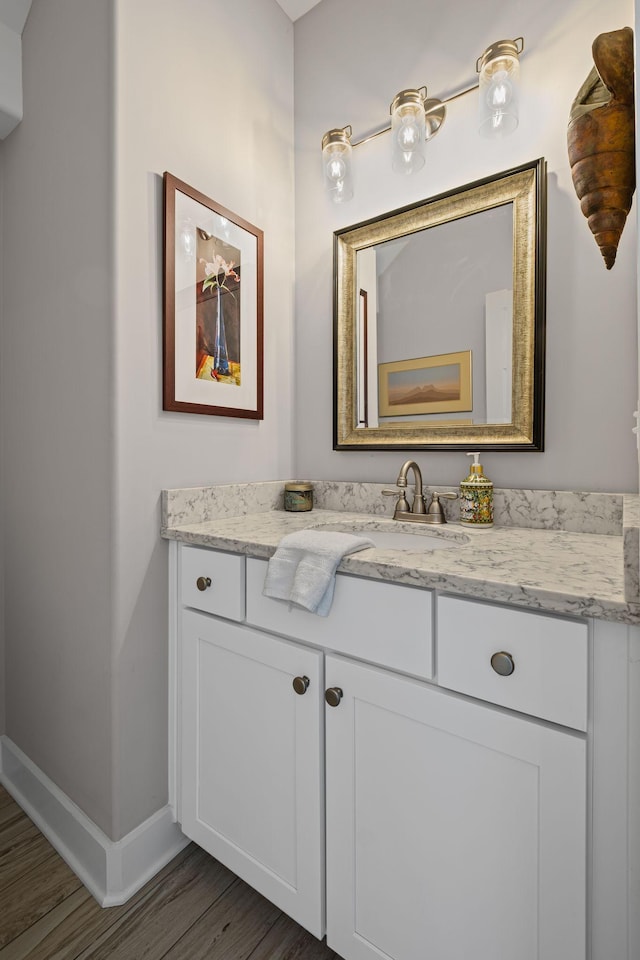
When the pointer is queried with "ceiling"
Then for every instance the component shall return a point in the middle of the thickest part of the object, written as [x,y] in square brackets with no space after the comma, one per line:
[13,13]
[297,8]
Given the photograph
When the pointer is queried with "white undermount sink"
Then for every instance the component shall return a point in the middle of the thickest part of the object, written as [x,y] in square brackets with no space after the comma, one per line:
[422,539]
[408,541]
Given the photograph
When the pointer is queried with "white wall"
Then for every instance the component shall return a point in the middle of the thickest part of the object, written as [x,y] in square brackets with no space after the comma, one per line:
[86,447]
[2,630]
[350,60]
[637,210]
[55,378]
[116,92]
[205,91]
[13,15]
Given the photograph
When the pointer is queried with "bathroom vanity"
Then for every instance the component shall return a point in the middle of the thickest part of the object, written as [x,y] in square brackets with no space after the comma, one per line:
[449,758]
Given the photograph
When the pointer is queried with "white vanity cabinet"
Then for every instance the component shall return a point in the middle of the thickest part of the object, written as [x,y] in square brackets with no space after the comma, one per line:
[251,770]
[450,825]
[458,823]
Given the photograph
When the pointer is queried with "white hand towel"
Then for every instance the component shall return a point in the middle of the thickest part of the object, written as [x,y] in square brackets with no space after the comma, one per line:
[303,568]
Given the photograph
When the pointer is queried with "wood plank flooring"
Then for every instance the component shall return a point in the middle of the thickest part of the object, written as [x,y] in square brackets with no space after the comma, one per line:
[194,909]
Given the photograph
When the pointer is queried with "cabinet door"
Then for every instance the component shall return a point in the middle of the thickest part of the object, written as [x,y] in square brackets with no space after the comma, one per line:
[454,830]
[251,760]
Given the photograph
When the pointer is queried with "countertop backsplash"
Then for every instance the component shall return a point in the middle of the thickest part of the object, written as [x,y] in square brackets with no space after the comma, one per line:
[575,512]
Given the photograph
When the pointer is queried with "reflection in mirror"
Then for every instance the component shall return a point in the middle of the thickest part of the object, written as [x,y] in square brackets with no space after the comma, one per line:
[440,320]
[463,304]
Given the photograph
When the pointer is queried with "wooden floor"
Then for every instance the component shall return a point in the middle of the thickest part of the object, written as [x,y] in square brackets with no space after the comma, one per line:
[194,909]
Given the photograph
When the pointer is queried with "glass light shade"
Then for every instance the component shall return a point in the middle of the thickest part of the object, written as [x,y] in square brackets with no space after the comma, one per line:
[499,98]
[186,240]
[408,131]
[336,161]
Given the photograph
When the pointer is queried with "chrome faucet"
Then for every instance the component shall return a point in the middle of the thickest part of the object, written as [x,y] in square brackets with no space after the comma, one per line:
[417,512]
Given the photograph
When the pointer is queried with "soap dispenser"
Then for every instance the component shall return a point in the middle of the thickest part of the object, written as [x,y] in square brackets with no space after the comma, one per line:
[476,496]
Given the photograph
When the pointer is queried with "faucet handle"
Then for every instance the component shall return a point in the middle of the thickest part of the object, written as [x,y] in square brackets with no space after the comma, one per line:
[435,511]
[401,503]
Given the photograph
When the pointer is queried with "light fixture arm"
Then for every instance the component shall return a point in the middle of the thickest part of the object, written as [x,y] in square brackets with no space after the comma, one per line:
[431,106]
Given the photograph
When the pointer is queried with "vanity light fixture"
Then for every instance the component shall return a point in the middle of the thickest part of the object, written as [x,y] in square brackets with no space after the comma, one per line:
[408,130]
[415,118]
[499,69]
[336,159]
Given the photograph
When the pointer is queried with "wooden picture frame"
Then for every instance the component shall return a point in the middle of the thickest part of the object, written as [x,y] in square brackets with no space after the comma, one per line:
[438,384]
[213,307]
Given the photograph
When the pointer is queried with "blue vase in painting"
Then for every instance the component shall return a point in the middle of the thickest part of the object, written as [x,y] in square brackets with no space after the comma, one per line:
[220,355]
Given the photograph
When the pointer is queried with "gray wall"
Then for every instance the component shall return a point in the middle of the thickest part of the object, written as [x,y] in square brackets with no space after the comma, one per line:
[117,92]
[2,632]
[85,446]
[351,59]
[204,91]
[56,380]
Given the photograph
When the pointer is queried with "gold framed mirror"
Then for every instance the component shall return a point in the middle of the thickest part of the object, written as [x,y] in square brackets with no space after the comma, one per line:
[439,321]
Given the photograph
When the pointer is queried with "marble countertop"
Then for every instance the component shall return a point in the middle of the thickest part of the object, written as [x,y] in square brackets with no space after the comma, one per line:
[574,573]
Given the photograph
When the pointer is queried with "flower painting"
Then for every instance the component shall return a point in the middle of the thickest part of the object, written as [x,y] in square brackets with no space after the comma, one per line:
[217,310]
[213,340]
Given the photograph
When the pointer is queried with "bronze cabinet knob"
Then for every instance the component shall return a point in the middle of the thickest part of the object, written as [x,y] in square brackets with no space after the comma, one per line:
[503,664]
[203,582]
[333,696]
[300,684]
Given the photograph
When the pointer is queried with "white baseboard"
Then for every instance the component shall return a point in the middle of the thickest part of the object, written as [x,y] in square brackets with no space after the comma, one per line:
[111,870]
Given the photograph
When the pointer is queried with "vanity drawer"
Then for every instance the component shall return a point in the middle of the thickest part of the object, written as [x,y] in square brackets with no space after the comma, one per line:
[384,623]
[549,656]
[224,595]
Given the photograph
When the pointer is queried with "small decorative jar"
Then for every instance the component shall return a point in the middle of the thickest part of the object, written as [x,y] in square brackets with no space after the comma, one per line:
[298,496]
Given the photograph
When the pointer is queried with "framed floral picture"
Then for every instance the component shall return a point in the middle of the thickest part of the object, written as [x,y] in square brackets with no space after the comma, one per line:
[213,307]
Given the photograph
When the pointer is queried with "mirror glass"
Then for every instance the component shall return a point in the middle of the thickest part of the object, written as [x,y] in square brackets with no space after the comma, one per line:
[439,321]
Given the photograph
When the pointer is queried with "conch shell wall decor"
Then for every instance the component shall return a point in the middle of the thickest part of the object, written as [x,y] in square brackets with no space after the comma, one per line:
[601,140]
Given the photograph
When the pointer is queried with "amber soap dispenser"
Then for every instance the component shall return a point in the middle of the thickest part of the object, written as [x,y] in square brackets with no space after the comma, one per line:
[476,496]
